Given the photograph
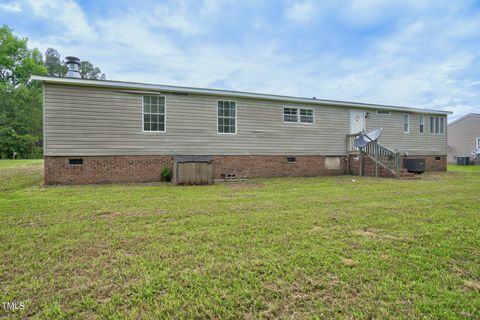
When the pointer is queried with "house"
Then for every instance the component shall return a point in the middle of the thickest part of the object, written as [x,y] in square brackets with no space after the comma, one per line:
[98,131]
[463,136]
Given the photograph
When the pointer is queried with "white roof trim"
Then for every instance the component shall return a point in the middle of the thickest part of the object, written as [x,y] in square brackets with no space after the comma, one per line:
[463,117]
[227,93]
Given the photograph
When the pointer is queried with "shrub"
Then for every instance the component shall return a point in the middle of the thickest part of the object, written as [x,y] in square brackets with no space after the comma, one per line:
[166,174]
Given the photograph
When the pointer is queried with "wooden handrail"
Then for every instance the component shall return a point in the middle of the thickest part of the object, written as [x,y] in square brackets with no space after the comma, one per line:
[380,154]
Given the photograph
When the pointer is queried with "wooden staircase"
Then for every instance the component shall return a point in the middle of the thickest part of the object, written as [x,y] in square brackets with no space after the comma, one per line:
[382,157]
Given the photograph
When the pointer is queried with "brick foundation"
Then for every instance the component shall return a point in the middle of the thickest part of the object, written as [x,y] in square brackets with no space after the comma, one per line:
[126,169]
[431,164]
[105,169]
[274,166]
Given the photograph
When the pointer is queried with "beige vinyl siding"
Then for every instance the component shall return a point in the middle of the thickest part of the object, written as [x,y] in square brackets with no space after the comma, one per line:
[413,142]
[81,120]
[462,137]
[96,121]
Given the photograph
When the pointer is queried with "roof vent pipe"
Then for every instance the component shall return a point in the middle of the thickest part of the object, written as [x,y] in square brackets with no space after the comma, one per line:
[73,64]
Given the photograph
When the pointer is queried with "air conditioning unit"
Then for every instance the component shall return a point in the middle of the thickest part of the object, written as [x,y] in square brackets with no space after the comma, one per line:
[414,165]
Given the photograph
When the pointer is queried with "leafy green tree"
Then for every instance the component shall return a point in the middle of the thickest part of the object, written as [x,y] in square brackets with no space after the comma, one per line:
[89,71]
[17,62]
[54,64]
[20,100]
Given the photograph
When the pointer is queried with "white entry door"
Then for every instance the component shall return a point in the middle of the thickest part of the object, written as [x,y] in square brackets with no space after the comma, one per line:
[357,121]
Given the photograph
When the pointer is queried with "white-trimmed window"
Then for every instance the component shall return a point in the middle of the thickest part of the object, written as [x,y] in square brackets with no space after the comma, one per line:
[306,115]
[227,117]
[478,143]
[437,125]
[296,115]
[421,124]
[153,114]
[406,123]
[290,115]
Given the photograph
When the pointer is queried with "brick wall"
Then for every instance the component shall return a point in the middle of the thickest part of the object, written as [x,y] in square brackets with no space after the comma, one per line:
[115,169]
[274,166]
[432,163]
[110,169]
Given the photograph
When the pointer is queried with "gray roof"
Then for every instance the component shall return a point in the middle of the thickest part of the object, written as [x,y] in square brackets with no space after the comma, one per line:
[463,117]
[228,93]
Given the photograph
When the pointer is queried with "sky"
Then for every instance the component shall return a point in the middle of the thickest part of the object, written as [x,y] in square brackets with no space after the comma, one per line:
[421,54]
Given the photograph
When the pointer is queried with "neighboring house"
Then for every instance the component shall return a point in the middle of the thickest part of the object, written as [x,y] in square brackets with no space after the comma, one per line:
[463,136]
[110,131]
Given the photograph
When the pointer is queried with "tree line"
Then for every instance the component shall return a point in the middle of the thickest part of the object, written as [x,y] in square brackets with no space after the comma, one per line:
[21,119]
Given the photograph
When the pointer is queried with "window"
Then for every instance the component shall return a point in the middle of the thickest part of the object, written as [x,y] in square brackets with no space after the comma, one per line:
[295,115]
[437,125]
[421,122]
[306,115]
[154,113]
[227,117]
[406,123]
[290,115]
[478,143]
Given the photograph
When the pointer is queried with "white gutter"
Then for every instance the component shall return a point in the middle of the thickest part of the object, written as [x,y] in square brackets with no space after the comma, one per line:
[227,93]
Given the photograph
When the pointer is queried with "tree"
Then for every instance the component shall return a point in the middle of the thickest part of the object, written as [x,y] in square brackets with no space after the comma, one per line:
[17,62]
[55,66]
[20,100]
[88,71]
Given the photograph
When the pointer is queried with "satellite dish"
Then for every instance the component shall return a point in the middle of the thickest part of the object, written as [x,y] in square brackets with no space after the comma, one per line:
[366,138]
[374,134]
[360,142]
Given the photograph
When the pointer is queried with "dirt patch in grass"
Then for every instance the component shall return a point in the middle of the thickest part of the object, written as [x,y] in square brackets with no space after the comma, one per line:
[472,285]
[31,224]
[244,186]
[349,262]
[372,233]
[130,214]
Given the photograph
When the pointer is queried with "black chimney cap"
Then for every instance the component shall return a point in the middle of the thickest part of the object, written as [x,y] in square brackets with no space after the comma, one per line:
[72,59]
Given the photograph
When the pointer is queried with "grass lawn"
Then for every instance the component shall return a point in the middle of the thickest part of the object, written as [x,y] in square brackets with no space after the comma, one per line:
[326,247]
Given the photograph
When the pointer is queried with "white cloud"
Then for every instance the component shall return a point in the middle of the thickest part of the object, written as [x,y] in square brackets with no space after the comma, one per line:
[12,7]
[67,15]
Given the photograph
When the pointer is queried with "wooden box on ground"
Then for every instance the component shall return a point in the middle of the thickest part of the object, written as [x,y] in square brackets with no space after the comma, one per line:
[192,170]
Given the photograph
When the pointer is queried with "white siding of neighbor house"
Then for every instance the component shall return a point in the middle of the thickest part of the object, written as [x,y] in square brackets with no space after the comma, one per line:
[413,142]
[83,121]
[462,137]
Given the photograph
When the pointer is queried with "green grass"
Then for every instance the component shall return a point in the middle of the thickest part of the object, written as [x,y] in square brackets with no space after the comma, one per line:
[326,247]
[454,167]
